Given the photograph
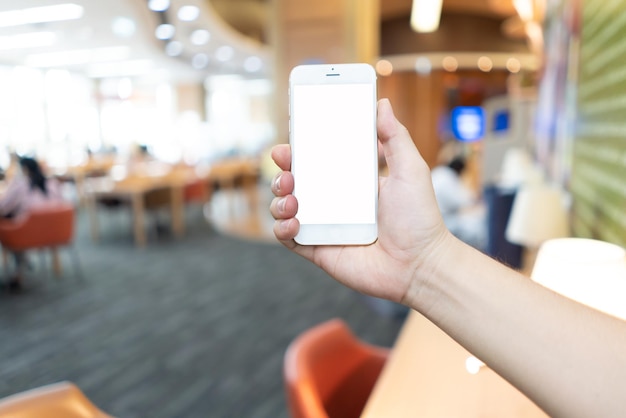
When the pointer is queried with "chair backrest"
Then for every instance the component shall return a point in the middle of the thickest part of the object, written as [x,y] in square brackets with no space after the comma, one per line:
[47,226]
[328,372]
[59,400]
[196,191]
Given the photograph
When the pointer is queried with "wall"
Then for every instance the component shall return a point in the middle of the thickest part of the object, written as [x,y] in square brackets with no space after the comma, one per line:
[422,102]
[598,178]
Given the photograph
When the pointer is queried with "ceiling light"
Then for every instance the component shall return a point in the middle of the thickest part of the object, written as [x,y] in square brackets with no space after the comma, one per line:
[67,11]
[252,64]
[27,40]
[174,48]
[425,15]
[423,65]
[78,56]
[200,37]
[384,67]
[158,5]
[188,13]
[524,9]
[513,65]
[123,27]
[485,64]
[165,31]
[450,63]
[200,61]
[224,53]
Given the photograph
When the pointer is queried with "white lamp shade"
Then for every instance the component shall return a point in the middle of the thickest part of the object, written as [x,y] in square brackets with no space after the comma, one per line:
[589,271]
[538,214]
[516,168]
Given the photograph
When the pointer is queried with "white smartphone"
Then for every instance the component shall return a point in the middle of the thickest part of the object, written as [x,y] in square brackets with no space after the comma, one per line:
[334,148]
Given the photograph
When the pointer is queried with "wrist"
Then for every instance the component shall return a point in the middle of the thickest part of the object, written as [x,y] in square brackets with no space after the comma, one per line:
[434,261]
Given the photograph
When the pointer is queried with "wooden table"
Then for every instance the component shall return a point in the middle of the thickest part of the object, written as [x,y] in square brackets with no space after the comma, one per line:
[77,174]
[133,188]
[426,376]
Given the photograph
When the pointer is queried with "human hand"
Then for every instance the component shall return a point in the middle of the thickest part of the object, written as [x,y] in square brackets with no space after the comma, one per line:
[411,231]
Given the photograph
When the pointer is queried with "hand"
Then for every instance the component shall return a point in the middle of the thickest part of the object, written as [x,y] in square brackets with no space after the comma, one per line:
[411,230]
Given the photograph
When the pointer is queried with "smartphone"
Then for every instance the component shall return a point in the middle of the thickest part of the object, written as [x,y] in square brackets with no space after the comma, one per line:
[334,149]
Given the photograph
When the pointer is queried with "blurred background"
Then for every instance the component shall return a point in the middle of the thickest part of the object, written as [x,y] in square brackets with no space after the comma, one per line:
[157,116]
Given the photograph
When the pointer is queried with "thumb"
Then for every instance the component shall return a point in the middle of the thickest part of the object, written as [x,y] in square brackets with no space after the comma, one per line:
[400,152]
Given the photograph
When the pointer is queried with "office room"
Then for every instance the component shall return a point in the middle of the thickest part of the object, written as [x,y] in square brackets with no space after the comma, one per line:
[143,269]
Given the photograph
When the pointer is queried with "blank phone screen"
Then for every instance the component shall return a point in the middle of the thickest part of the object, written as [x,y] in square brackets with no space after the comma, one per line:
[334,153]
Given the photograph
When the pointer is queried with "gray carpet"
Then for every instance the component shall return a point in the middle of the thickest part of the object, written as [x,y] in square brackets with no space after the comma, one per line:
[190,327]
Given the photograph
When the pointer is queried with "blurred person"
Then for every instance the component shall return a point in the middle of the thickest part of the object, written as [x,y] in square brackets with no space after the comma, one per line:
[568,358]
[462,212]
[28,189]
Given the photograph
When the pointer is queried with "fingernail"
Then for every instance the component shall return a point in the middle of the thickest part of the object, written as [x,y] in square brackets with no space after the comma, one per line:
[277,183]
[281,204]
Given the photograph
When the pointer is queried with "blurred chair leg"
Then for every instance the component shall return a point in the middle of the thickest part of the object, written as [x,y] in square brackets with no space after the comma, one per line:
[42,262]
[78,270]
[5,262]
[56,263]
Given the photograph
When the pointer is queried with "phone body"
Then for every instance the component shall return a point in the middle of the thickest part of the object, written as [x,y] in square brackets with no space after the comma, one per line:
[334,149]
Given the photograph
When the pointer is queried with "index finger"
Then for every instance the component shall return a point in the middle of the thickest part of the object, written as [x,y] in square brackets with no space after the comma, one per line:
[281,154]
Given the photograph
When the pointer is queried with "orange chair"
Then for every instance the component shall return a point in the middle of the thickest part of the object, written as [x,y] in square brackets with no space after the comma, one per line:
[196,191]
[329,373]
[46,227]
[58,400]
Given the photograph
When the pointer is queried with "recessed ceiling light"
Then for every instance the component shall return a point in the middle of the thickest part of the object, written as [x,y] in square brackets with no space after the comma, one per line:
[252,64]
[450,63]
[423,65]
[485,64]
[200,37]
[384,67]
[165,31]
[55,13]
[200,61]
[124,27]
[224,53]
[513,65]
[174,48]
[188,13]
[158,5]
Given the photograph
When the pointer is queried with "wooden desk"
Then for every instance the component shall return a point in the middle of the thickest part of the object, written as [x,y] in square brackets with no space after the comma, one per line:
[79,173]
[426,377]
[134,188]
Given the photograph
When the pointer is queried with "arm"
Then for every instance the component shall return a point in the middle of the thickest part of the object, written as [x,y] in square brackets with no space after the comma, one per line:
[569,359]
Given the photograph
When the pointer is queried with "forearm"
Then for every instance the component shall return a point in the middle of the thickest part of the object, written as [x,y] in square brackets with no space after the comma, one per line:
[556,351]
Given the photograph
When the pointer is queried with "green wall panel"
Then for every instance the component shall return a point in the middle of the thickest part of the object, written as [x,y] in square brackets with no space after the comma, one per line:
[598,177]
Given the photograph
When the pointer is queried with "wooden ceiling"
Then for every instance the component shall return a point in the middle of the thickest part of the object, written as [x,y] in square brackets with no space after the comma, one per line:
[250,17]
[390,9]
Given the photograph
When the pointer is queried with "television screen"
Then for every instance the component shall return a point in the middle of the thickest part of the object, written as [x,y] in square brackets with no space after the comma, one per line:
[468,123]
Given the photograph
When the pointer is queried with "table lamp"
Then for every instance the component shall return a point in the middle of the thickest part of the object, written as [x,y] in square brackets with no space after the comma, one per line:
[538,214]
[589,271]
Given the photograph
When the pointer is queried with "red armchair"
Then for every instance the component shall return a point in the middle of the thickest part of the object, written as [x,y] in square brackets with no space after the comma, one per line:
[329,373]
[47,227]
